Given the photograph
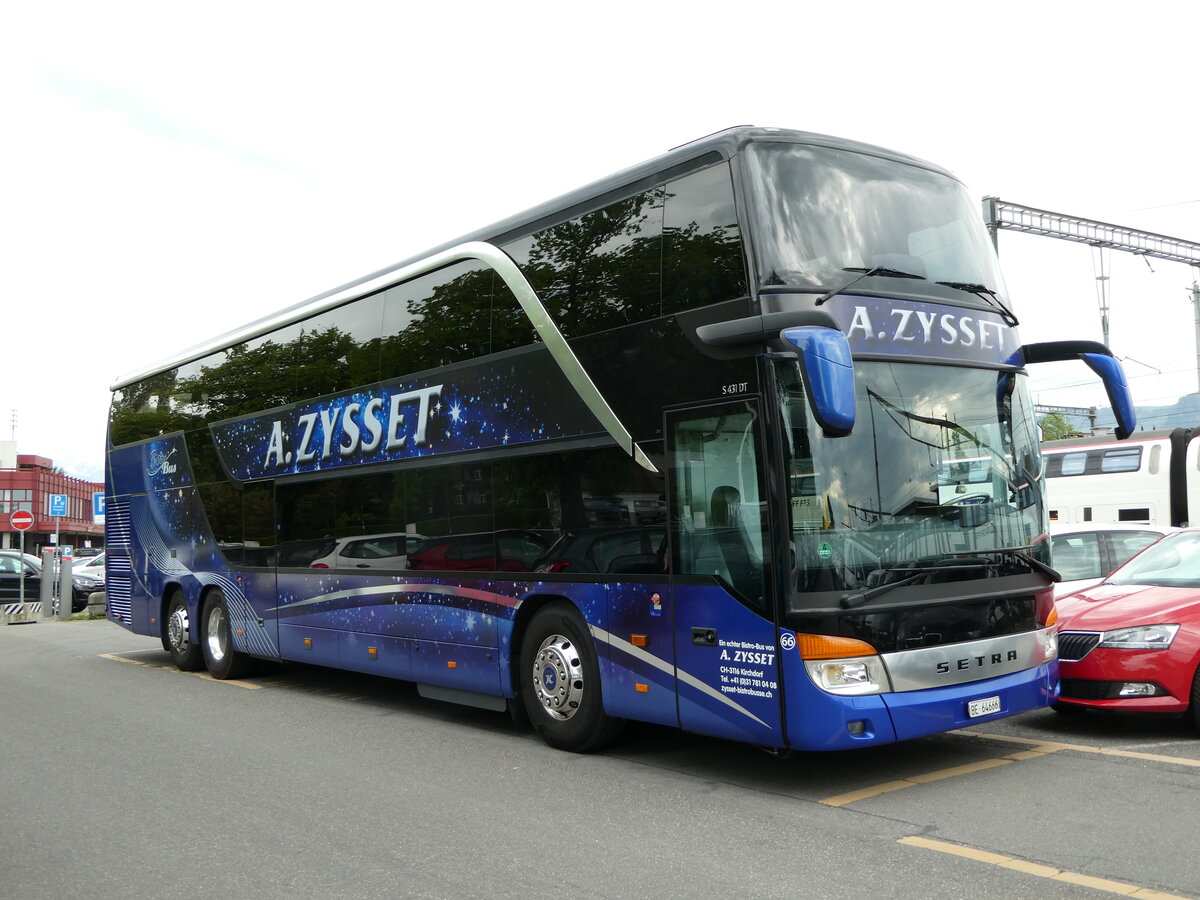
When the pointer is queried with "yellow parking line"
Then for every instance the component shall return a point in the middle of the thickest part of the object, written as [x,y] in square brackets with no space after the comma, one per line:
[1037,869]
[137,662]
[1083,748]
[913,781]
[1037,748]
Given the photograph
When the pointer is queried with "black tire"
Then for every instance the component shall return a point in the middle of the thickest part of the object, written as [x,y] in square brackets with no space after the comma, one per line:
[177,635]
[79,602]
[560,682]
[1194,709]
[216,640]
[1068,709]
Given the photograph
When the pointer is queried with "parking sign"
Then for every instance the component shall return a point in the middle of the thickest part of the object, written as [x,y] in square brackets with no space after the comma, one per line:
[98,505]
[58,504]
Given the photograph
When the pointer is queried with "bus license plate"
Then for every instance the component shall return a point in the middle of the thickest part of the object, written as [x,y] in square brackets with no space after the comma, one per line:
[984,707]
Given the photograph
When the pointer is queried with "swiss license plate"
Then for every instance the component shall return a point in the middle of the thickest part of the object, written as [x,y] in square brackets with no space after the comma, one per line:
[984,707]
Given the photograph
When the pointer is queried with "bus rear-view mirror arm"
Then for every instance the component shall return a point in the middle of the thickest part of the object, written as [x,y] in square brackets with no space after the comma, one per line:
[1100,360]
[817,339]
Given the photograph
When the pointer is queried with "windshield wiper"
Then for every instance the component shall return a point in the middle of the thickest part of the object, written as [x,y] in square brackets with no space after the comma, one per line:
[866,273]
[985,293]
[849,601]
[1018,553]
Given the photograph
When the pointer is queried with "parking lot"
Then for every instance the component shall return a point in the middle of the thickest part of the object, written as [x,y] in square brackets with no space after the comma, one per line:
[136,778]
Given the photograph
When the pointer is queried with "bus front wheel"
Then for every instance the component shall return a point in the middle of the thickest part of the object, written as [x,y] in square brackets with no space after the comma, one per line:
[560,682]
[216,637]
[177,635]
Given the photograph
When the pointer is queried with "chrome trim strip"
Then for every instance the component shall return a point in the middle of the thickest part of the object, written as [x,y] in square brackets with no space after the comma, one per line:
[918,670]
[487,253]
[673,671]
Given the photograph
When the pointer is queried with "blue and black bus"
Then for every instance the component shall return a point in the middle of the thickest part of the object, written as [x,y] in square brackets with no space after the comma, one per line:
[673,448]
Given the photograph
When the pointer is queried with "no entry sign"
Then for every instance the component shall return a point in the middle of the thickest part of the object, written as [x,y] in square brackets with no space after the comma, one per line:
[22,520]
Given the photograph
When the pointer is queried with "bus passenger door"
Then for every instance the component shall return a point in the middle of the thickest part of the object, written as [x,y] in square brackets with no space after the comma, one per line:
[727,667]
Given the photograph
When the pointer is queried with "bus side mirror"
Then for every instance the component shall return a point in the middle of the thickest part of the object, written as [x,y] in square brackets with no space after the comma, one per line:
[1100,360]
[828,375]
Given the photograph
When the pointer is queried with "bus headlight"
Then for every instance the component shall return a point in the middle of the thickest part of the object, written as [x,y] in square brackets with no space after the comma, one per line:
[849,677]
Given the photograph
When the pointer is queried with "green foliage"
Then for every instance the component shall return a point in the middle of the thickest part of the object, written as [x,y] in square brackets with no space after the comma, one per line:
[1055,427]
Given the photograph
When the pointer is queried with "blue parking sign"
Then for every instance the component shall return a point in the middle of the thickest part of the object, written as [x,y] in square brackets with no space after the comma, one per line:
[97,505]
[58,504]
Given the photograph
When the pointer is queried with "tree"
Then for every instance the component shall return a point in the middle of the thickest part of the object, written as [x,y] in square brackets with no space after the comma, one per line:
[1055,427]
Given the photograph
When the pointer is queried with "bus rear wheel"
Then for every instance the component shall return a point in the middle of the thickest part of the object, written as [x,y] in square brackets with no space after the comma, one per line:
[177,635]
[560,682]
[216,638]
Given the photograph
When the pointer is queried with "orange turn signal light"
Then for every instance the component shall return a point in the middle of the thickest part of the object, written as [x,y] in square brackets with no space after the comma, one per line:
[1053,617]
[827,646]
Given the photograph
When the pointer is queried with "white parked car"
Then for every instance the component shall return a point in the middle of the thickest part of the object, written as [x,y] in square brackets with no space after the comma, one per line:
[369,551]
[1085,552]
[89,565]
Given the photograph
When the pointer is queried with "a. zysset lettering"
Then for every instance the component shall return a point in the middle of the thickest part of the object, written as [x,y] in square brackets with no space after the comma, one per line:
[353,428]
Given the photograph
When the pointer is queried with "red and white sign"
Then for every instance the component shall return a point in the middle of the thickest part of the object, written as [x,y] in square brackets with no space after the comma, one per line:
[22,520]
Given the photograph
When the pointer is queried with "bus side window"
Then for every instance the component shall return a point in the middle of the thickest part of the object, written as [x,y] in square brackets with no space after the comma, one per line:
[702,244]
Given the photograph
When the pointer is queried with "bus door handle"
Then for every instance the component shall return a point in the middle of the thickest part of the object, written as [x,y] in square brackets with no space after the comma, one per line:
[704,637]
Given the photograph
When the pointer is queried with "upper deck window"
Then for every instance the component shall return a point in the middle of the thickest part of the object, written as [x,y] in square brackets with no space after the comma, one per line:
[817,211]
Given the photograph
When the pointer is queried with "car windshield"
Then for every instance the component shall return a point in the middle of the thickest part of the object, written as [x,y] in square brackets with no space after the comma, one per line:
[942,470]
[819,211]
[1172,562]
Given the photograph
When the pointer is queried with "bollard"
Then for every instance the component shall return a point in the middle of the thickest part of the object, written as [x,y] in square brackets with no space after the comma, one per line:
[66,589]
[97,603]
[47,594]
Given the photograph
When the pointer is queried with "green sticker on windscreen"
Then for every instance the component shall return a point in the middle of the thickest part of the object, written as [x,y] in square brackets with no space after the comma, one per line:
[824,551]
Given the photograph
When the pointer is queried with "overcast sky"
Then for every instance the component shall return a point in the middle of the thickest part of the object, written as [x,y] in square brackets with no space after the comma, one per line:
[172,171]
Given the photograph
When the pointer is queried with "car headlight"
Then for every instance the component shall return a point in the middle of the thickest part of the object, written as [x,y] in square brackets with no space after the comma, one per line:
[83,582]
[1140,637]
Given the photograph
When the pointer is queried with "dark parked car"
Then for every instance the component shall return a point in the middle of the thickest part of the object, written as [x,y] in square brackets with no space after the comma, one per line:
[15,567]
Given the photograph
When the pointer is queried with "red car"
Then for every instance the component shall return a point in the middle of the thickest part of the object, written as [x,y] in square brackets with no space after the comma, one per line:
[1133,641]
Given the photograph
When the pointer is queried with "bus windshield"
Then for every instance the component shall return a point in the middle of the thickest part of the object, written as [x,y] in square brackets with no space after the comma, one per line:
[942,469]
[818,211]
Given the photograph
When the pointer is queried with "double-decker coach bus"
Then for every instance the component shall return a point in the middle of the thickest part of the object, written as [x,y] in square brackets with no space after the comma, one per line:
[671,448]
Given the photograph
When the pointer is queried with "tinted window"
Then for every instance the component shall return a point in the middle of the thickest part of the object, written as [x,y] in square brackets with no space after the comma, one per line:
[602,269]
[331,509]
[510,325]
[440,318]
[258,524]
[702,247]
[223,506]
[452,507]
[170,401]
[339,349]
